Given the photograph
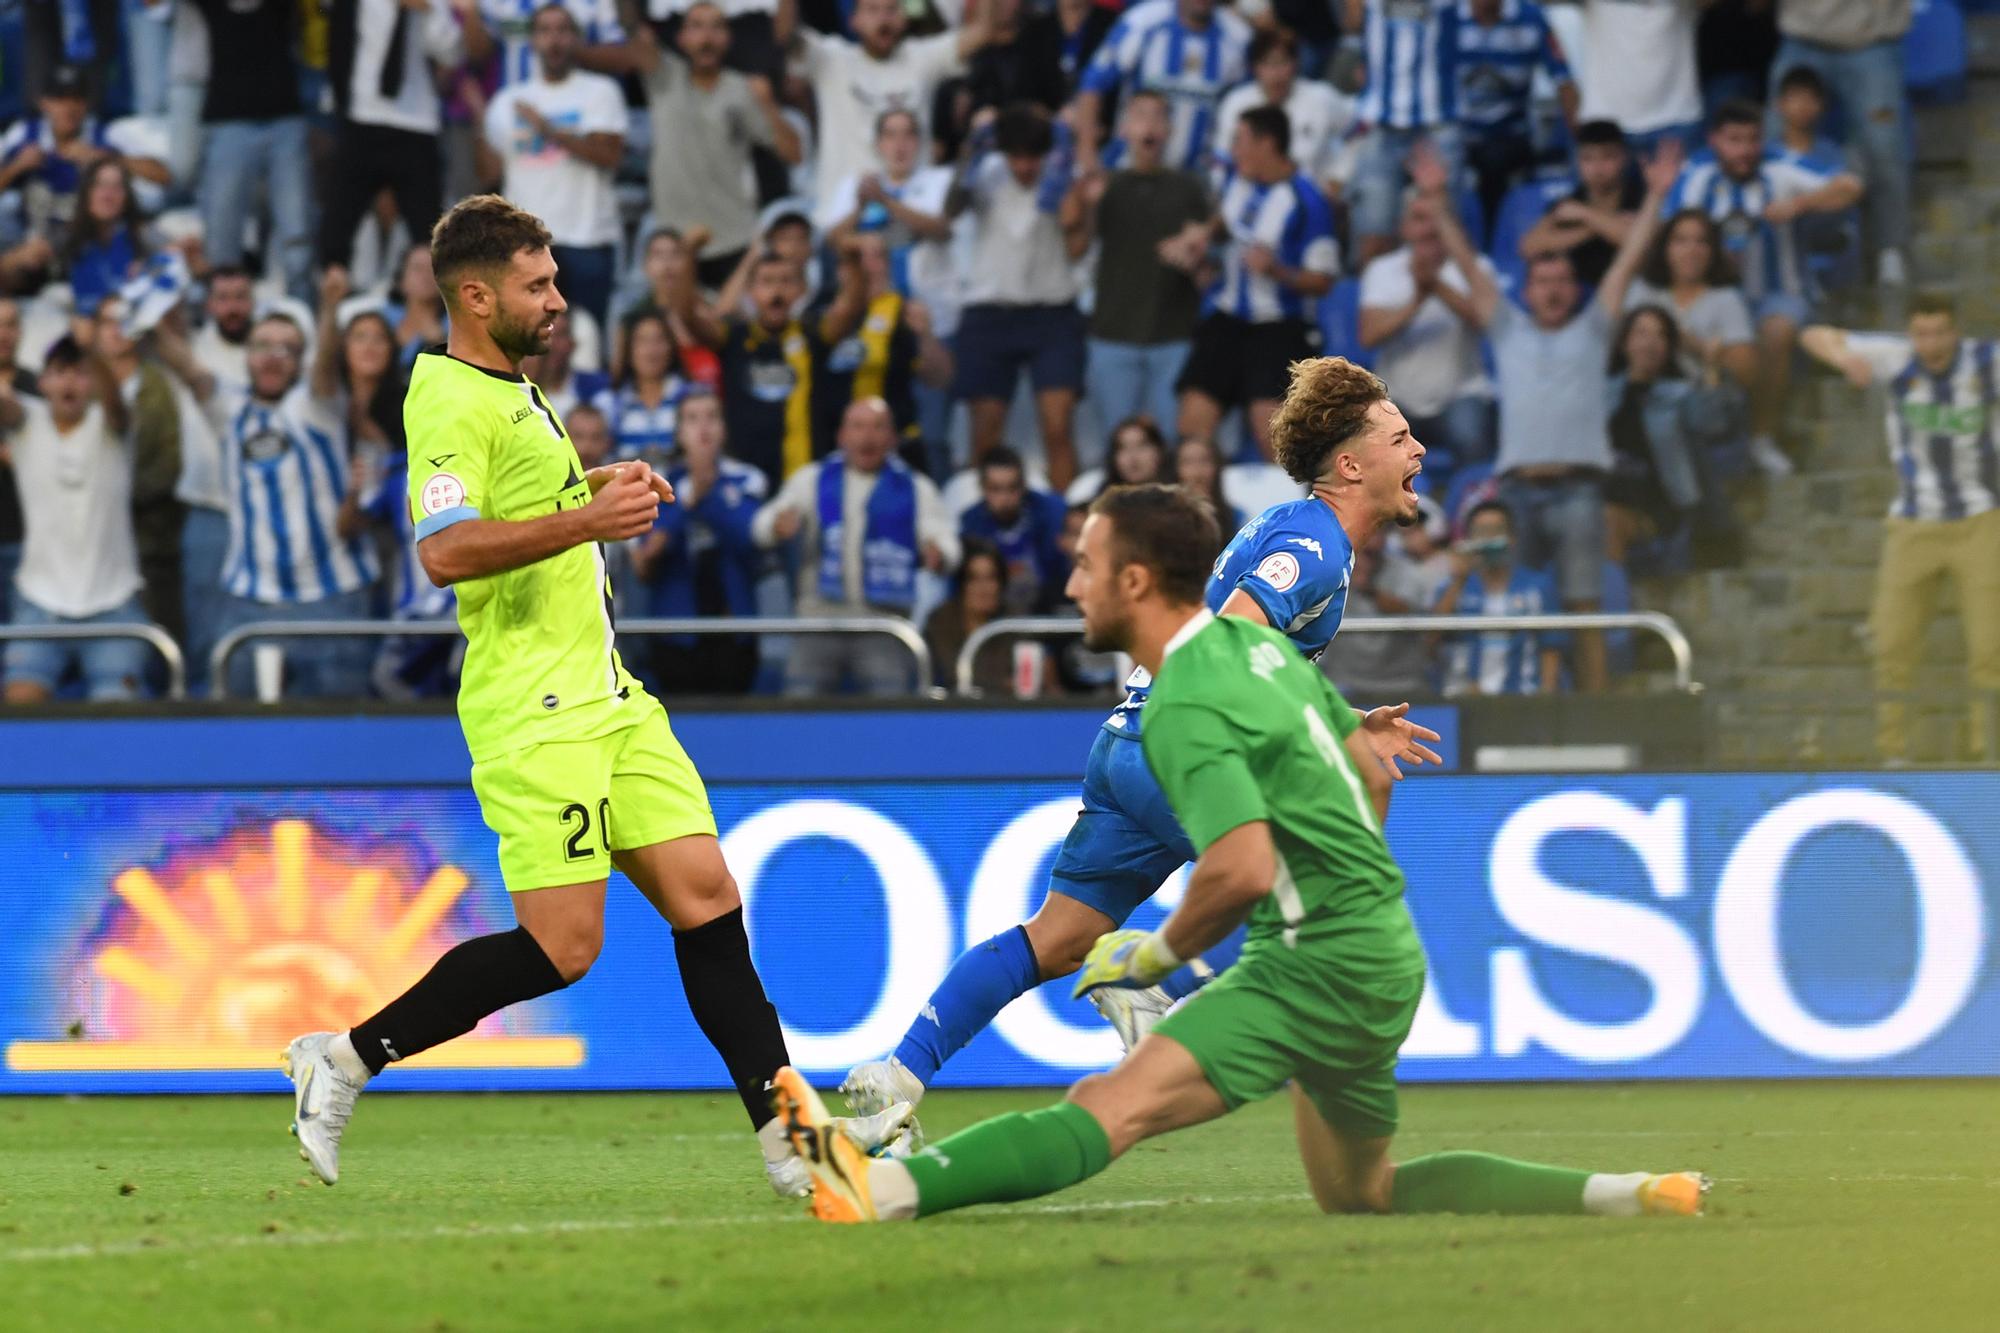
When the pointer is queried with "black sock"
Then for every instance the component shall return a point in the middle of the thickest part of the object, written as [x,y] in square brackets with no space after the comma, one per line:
[729,1003]
[472,980]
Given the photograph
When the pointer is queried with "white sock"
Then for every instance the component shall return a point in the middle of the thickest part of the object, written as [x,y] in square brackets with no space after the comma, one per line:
[771,1138]
[893,1189]
[348,1060]
[1613,1196]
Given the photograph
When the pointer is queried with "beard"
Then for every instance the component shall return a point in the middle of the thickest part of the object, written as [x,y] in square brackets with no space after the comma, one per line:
[520,339]
[1110,636]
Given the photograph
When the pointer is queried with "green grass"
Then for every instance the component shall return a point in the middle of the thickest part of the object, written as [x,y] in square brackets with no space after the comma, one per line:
[1848,1206]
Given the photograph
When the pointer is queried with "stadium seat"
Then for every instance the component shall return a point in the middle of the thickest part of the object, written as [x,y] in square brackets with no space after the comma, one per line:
[1340,323]
[1934,53]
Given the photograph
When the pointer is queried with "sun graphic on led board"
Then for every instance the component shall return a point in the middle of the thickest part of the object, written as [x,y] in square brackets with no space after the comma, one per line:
[216,958]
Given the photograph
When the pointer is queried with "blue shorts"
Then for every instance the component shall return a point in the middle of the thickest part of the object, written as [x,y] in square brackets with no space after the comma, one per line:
[995,343]
[1785,305]
[112,669]
[1125,841]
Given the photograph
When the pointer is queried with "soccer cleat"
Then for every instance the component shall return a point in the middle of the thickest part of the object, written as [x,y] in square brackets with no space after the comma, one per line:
[874,1087]
[838,1164]
[789,1178]
[322,1100]
[884,1134]
[1678,1193]
[1131,1012]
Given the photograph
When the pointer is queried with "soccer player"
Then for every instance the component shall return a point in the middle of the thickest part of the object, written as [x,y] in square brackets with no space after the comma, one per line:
[1264,764]
[574,764]
[1337,432]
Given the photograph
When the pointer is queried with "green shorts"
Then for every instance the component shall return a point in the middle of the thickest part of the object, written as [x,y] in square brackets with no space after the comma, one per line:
[562,807]
[1281,1014]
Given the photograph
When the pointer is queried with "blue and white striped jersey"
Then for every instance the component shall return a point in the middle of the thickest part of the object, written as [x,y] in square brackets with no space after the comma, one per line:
[1766,254]
[1501,661]
[1150,49]
[509,22]
[1941,427]
[1291,218]
[1411,52]
[284,469]
[61,175]
[1496,66]
[639,431]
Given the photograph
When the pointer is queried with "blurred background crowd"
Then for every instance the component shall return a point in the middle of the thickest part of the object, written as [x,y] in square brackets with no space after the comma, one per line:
[991,256]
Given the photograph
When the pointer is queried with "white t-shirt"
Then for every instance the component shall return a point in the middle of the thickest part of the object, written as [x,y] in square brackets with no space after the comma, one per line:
[431,37]
[78,555]
[573,198]
[1435,357]
[933,278]
[1638,66]
[853,89]
[1321,116]
[1018,253]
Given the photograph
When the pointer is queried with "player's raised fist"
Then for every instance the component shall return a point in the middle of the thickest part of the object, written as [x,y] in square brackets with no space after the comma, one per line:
[625,506]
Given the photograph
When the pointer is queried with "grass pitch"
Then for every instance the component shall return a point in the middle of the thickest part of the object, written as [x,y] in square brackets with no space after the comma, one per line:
[1838,1206]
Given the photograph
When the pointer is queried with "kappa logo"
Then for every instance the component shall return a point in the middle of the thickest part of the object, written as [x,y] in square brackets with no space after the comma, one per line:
[1310,543]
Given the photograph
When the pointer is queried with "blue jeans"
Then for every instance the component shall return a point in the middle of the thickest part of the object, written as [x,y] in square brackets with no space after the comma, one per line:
[314,668]
[240,155]
[1375,196]
[148,37]
[204,542]
[1867,93]
[1126,379]
[10,560]
[1645,143]
[585,275]
[112,669]
[1559,527]
[185,136]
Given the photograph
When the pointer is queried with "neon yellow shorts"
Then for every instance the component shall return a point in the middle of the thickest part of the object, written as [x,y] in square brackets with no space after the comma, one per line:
[562,807]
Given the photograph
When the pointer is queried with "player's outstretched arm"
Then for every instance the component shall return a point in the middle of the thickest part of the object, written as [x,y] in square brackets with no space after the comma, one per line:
[623,507]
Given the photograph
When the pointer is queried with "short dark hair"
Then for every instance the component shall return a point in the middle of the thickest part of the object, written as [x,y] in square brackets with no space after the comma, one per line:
[1327,405]
[1169,529]
[1601,133]
[1484,507]
[1148,95]
[1023,130]
[1271,124]
[1934,303]
[218,272]
[560,8]
[1001,458]
[64,353]
[1802,78]
[1272,40]
[1736,111]
[280,317]
[482,232]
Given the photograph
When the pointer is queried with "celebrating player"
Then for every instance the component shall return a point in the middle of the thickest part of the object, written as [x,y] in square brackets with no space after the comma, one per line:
[1267,769]
[1338,433]
[574,764]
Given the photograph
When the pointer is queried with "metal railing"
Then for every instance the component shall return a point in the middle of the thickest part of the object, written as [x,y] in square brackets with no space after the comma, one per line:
[160,641]
[900,630]
[1662,626]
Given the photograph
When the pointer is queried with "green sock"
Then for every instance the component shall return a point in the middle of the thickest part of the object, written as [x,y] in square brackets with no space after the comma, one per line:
[1477,1182]
[1017,1156]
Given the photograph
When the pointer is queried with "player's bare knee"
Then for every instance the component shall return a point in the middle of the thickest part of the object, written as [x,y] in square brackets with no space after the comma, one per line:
[573,952]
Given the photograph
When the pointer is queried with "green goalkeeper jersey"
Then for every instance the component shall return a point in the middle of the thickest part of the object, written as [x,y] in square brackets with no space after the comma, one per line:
[540,662]
[1240,728]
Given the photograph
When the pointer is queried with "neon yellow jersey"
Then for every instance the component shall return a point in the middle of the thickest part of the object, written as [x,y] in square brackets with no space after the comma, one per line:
[540,661]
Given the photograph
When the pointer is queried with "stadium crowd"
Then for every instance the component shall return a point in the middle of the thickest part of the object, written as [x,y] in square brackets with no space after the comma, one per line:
[890,289]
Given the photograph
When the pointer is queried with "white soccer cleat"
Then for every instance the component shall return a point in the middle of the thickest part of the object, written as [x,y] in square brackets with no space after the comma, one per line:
[322,1100]
[1131,1013]
[875,1088]
[790,1178]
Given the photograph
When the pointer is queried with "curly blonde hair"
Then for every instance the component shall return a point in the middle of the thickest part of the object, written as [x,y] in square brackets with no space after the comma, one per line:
[1326,406]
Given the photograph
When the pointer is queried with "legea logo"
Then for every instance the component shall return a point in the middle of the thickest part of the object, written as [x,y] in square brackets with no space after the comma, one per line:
[1630,931]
